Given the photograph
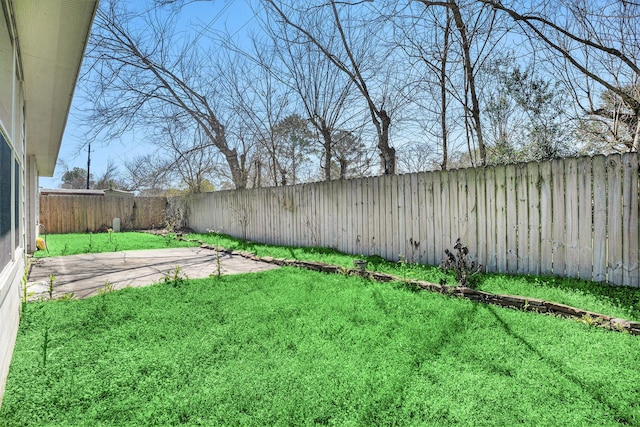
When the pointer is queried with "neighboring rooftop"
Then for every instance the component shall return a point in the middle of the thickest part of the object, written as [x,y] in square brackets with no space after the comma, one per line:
[83,192]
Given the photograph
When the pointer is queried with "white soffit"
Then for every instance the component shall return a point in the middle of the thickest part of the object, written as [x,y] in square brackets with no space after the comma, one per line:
[52,35]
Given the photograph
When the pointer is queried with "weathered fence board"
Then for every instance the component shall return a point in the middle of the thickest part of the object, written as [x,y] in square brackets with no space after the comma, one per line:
[614,220]
[585,219]
[502,225]
[471,232]
[630,219]
[546,219]
[599,173]
[82,213]
[511,204]
[571,218]
[523,220]
[558,216]
[482,222]
[567,217]
[533,200]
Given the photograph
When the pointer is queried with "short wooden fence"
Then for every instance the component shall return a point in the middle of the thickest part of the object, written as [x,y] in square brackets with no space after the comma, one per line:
[82,213]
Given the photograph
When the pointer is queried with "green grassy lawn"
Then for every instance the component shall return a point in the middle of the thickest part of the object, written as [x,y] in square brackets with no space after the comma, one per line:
[617,301]
[296,347]
[80,243]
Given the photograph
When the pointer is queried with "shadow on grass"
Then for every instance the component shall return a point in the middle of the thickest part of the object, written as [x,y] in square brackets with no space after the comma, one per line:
[592,390]
[625,298]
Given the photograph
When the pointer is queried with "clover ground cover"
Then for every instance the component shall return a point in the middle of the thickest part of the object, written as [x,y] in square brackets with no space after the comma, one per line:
[297,347]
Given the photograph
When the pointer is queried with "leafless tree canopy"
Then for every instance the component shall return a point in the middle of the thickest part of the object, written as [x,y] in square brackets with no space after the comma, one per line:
[320,88]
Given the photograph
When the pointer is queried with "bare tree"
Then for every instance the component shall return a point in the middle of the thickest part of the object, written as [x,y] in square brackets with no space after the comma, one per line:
[145,73]
[595,46]
[476,36]
[258,101]
[110,178]
[325,95]
[144,173]
[425,38]
[355,54]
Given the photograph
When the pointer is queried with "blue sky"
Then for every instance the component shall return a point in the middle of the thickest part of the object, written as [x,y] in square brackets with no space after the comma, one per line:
[233,16]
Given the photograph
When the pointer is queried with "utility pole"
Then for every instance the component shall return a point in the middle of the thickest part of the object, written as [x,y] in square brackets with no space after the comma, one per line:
[88,164]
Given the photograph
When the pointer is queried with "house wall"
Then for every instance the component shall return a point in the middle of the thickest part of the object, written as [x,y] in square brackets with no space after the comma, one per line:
[32,208]
[12,197]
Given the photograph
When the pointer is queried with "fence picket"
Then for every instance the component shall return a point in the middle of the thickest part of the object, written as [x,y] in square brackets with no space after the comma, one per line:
[471,235]
[403,218]
[523,220]
[585,219]
[481,216]
[572,220]
[512,218]
[558,191]
[438,220]
[446,215]
[491,261]
[546,219]
[501,215]
[427,216]
[614,220]
[463,213]
[630,249]
[533,200]
[373,216]
[417,245]
[599,218]
[391,203]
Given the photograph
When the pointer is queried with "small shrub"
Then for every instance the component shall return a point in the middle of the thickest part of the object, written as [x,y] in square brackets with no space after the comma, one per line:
[25,291]
[175,278]
[52,279]
[460,264]
[107,288]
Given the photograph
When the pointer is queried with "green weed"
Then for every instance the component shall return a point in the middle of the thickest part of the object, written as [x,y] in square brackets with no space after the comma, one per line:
[108,287]
[52,279]
[25,292]
[175,278]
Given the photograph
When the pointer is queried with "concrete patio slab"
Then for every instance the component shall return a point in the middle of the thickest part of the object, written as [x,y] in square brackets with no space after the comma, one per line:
[84,275]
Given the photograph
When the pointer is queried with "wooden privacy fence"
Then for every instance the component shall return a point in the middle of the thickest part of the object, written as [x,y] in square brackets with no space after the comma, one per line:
[575,217]
[81,213]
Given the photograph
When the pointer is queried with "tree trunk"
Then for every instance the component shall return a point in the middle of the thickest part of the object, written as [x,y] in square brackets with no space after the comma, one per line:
[237,176]
[387,153]
[443,94]
[327,144]
[343,167]
[468,66]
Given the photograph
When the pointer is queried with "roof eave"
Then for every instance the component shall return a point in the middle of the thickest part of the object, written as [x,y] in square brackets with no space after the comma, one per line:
[52,37]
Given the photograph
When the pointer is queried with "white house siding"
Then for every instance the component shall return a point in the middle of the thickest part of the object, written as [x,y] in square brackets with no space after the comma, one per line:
[12,198]
[37,81]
